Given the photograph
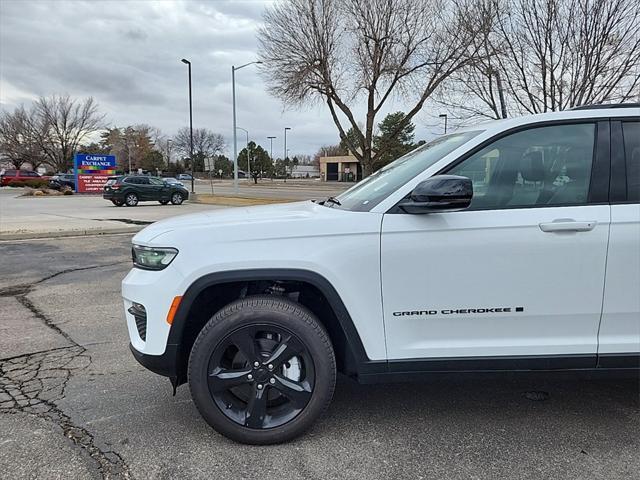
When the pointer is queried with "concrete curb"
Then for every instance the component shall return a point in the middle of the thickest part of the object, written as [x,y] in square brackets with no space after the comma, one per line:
[69,233]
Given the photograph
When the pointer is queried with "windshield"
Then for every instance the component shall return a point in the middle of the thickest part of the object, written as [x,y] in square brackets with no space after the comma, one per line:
[372,190]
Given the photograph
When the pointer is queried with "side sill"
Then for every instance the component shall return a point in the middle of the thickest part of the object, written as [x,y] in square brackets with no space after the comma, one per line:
[619,360]
[619,365]
[498,363]
[505,375]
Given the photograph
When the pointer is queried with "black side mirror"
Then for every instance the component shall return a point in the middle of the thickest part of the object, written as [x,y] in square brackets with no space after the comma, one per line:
[442,193]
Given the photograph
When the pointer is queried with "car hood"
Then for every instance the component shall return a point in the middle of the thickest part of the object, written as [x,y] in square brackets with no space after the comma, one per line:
[237,222]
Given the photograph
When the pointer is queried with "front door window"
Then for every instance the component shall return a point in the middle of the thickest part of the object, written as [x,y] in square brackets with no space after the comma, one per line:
[545,166]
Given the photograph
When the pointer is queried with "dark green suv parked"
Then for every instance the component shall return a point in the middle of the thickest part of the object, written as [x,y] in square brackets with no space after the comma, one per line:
[130,189]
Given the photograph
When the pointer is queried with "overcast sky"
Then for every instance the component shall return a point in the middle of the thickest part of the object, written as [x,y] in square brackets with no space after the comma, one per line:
[126,54]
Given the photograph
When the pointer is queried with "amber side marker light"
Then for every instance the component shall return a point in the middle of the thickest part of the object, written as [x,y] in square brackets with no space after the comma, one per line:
[173,309]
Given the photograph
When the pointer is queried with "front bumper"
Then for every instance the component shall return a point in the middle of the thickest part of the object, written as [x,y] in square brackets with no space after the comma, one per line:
[165,364]
[155,291]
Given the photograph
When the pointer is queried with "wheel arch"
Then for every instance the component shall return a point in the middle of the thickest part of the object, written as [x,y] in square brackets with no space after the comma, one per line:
[209,293]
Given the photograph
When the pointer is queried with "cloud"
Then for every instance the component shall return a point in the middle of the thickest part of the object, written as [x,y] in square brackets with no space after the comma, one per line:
[126,54]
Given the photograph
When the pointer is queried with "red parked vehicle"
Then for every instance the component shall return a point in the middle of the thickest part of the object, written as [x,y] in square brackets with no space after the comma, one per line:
[19,176]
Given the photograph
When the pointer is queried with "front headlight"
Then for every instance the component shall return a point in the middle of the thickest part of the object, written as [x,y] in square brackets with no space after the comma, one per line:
[152,258]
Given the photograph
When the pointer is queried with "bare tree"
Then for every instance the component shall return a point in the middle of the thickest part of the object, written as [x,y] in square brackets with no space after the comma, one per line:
[61,124]
[18,141]
[547,55]
[206,144]
[344,51]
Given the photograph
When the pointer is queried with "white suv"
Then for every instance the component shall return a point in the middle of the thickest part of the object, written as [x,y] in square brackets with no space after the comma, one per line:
[510,246]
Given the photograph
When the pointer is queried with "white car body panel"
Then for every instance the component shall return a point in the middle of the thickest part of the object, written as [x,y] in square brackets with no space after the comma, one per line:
[341,246]
[382,263]
[620,329]
[493,259]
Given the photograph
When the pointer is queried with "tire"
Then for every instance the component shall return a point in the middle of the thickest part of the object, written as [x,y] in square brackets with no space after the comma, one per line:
[163,202]
[292,386]
[131,199]
[176,198]
[117,203]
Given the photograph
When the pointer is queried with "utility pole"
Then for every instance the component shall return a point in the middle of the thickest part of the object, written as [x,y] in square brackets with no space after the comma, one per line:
[235,135]
[188,63]
[284,159]
[271,154]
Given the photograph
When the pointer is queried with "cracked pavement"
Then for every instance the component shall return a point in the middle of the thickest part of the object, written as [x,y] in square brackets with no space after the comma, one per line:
[75,404]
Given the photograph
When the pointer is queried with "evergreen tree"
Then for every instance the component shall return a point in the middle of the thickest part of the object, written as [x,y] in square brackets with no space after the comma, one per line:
[393,147]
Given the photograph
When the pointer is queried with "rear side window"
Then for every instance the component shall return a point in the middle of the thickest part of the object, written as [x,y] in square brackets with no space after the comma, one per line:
[631,133]
[131,180]
[9,173]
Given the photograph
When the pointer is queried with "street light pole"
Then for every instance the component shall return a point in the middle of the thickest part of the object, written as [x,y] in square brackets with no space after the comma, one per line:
[188,63]
[271,140]
[235,135]
[285,152]
[247,147]
[444,115]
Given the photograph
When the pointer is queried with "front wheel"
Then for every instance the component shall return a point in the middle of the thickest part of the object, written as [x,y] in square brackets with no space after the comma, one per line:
[176,198]
[262,370]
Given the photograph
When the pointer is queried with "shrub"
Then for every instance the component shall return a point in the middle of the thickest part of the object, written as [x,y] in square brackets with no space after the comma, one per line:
[39,192]
[36,183]
[67,191]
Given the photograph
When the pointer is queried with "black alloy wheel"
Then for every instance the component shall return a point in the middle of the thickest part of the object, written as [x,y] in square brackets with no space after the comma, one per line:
[262,370]
[261,376]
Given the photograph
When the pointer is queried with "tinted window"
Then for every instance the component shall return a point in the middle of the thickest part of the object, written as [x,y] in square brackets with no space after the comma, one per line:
[10,173]
[542,166]
[631,132]
[155,181]
[132,180]
[29,173]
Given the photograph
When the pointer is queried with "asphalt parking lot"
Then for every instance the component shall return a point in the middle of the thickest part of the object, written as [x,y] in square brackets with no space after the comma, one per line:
[75,404]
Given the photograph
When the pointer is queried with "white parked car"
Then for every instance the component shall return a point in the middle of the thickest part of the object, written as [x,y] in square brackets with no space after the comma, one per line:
[510,246]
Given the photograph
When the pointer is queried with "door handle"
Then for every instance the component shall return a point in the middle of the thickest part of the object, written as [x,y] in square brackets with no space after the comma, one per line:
[567,225]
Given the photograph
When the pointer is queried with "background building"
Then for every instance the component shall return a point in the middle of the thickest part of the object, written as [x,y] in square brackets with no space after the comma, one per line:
[305,171]
[340,168]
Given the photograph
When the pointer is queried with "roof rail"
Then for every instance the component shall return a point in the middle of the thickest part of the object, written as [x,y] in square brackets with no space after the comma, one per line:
[606,105]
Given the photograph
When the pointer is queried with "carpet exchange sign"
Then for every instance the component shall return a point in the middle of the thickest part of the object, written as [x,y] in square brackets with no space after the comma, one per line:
[92,171]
